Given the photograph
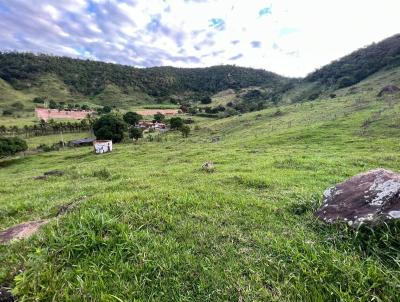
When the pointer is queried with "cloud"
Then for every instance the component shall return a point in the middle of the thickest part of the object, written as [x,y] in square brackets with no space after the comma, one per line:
[237,57]
[293,40]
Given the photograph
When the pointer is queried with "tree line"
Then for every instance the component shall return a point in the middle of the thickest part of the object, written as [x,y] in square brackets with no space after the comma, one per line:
[47,128]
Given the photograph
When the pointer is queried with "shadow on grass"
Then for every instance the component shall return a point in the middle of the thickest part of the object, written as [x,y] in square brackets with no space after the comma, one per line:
[12,161]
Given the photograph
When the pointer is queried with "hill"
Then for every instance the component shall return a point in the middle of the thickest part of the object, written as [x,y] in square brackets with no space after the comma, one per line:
[359,65]
[146,223]
[85,78]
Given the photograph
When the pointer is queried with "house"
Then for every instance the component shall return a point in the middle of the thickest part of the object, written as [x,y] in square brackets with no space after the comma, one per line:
[102,146]
[81,142]
[151,125]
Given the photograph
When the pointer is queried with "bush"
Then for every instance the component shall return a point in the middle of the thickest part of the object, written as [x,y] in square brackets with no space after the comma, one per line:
[132,118]
[8,112]
[53,105]
[11,145]
[206,100]
[185,130]
[38,100]
[176,123]
[111,127]
[135,133]
[105,109]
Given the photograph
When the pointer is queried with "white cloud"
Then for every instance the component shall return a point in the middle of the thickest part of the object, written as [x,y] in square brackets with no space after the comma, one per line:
[289,37]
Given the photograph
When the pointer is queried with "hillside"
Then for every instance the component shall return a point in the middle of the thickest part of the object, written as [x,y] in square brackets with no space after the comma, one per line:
[91,78]
[360,64]
[24,76]
[147,224]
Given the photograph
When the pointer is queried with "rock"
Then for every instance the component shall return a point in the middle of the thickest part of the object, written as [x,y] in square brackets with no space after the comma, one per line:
[21,231]
[54,173]
[390,89]
[208,166]
[365,198]
[5,295]
[49,173]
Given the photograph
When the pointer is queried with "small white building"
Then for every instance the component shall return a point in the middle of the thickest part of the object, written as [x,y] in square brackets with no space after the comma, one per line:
[102,146]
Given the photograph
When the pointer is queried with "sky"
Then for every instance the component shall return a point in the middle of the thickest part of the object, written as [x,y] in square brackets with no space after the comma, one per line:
[289,37]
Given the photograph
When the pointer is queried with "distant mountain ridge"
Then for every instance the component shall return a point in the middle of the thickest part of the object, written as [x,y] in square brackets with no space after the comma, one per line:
[91,77]
[64,79]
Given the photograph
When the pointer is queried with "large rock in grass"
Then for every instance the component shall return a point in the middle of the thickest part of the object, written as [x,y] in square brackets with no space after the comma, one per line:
[365,198]
[390,89]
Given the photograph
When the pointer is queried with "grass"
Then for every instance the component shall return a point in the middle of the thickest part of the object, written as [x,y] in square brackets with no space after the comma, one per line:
[151,225]
[35,141]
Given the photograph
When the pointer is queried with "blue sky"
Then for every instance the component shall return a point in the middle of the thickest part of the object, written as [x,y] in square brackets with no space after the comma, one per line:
[290,37]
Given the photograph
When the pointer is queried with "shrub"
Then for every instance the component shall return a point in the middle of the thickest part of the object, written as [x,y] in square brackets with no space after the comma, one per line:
[135,133]
[53,105]
[38,100]
[176,122]
[8,112]
[185,130]
[11,145]
[111,127]
[206,100]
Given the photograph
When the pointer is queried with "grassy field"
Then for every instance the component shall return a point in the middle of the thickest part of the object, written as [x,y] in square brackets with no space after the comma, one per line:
[151,225]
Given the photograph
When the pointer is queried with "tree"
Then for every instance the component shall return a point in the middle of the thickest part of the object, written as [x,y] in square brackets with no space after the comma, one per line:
[132,118]
[109,126]
[52,104]
[176,123]
[206,100]
[185,130]
[159,117]
[135,133]
[11,145]
[106,109]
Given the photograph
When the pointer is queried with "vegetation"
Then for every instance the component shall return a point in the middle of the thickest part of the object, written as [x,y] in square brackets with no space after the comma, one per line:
[159,117]
[150,231]
[91,77]
[360,64]
[138,229]
[132,118]
[109,126]
[135,133]
[176,123]
[185,130]
[11,145]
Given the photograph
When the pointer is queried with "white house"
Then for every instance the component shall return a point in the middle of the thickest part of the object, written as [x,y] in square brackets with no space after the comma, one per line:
[102,146]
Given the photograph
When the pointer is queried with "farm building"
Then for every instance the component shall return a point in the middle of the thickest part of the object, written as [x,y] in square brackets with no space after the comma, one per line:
[81,142]
[102,146]
[151,125]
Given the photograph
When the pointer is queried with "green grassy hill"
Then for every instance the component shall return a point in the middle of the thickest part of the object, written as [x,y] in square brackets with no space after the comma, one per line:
[150,225]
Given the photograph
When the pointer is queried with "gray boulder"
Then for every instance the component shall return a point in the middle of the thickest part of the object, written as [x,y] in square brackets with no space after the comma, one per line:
[365,198]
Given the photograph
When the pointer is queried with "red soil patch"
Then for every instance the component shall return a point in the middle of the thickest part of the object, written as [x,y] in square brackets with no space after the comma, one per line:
[46,114]
[154,111]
